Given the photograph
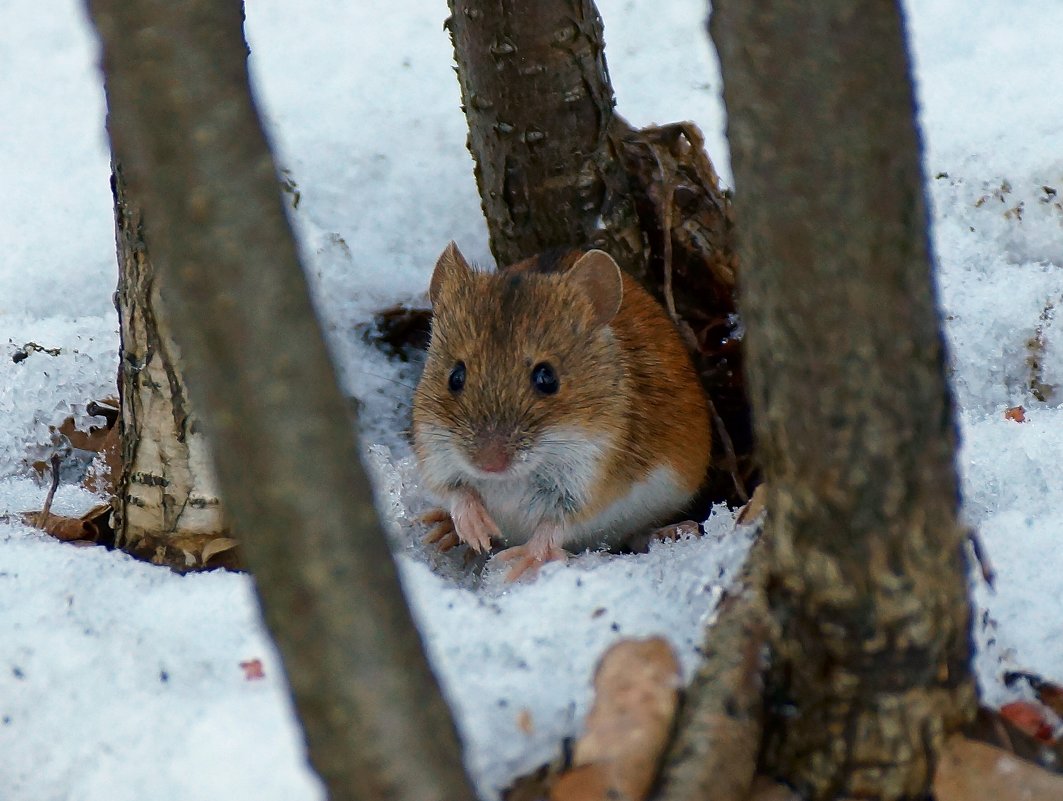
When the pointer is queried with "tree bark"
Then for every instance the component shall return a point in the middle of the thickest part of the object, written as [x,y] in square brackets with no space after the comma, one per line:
[852,411]
[556,166]
[166,502]
[536,91]
[185,129]
[713,756]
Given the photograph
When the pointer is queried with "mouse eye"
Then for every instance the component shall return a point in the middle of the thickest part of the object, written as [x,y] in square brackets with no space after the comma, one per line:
[544,379]
[456,381]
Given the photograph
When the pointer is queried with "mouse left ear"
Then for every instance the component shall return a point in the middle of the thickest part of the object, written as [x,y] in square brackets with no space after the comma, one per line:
[450,267]
[598,277]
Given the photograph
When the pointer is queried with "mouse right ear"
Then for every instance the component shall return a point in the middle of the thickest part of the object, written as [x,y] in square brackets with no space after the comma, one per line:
[451,267]
[598,276]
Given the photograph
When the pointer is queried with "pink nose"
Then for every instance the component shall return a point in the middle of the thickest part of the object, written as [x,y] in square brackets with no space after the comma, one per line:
[492,455]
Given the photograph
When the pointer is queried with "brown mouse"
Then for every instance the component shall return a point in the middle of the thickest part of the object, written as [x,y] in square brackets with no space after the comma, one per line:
[558,407]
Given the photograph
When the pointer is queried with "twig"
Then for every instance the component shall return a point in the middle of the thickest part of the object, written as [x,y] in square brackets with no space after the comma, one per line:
[728,449]
[42,516]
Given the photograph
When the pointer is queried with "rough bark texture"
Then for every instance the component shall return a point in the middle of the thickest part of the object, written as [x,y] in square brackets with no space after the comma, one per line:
[557,167]
[540,107]
[713,756]
[853,417]
[166,502]
[184,127]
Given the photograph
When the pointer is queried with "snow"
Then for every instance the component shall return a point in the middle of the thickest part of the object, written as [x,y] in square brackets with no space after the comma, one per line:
[119,680]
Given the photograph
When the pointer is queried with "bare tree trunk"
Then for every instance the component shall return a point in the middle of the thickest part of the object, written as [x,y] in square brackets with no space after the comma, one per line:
[556,166]
[166,505]
[540,106]
[184,127]
[853,417]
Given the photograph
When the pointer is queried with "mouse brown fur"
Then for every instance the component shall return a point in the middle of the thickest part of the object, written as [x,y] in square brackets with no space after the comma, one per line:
[558,407]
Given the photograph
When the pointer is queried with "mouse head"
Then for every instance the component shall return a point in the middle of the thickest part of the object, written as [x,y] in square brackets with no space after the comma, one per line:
[523,369]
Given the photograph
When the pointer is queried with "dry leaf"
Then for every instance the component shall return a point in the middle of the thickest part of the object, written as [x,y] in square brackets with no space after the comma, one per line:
[525,722]
[217,546]
[94,440]
[1029,718]
[253,670]
[1016,413]
[88,526]
[973,771]
[752,510]
[103,440]
[636,690]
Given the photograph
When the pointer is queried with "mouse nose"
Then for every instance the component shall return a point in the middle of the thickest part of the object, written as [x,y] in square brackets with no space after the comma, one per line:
[491,453]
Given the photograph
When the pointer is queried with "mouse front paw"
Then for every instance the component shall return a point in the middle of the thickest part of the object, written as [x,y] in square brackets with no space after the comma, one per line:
[472,523]
[526,559]
[441,530]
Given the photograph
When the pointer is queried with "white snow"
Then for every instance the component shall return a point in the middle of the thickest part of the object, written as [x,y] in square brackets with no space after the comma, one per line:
[122,681]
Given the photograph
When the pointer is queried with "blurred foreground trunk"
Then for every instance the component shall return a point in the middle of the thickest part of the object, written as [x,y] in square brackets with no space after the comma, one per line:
[185,130]
[166,505]
[867,585]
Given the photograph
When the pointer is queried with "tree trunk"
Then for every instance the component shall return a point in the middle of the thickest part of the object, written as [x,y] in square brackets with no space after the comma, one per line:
[536,91]
[853,417]
[166,504]
[556,166]
[185,130]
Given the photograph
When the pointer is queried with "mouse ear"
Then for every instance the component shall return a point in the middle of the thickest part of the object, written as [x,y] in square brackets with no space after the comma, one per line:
[598,277]
[450,267]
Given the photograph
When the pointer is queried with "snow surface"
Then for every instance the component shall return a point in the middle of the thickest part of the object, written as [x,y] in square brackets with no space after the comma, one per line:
[121,681]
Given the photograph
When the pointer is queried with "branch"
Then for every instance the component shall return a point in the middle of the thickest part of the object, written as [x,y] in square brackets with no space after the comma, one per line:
[184,126]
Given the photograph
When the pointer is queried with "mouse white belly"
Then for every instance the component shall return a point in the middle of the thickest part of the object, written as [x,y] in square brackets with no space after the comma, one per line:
[558,490]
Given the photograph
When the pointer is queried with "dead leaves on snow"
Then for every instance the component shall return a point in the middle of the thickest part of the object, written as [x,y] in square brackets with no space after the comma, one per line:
[1017,414]
[94,526]
[636,691]
[974,771]
[191,552]
[636,688]
[89,529]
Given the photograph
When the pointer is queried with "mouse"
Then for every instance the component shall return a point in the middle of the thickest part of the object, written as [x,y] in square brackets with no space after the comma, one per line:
[558,409]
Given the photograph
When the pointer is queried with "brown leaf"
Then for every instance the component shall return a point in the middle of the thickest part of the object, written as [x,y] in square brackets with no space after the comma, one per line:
[973,771]
[103,440]
[217,546]
[636,690]
[253,670]
[1016,413]
[525,721]
[752,510]
[88,526]
[1029,718]
[94,440]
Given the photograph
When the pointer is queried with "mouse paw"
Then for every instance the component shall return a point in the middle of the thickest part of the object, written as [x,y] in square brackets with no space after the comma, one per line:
[472,523]
[441,530]
[525,560]
[687,528]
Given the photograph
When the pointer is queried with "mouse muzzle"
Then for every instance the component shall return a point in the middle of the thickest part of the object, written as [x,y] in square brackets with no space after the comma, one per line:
[491,452]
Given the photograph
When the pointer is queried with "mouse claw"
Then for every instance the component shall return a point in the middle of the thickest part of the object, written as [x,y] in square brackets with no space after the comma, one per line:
[687,528]
[473,524]
[525,560]
[441,531]
[434,516]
